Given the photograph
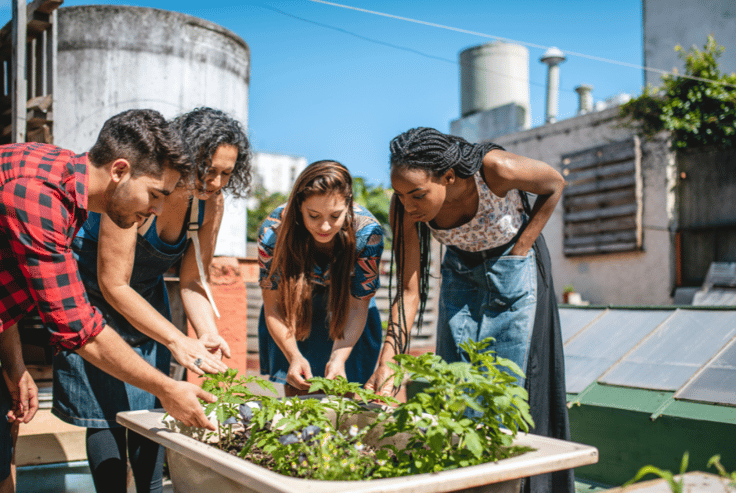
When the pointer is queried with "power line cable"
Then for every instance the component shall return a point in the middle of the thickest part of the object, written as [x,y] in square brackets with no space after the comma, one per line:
[411,50]
[525,43]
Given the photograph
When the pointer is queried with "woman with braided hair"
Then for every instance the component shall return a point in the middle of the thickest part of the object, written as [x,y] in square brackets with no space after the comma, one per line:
[496,273]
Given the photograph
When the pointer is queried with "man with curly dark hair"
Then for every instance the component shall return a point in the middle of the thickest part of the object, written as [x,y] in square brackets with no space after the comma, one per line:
[45,195]
[123,273]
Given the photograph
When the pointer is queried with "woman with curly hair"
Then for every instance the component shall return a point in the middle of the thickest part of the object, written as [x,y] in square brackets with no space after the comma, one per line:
[123,273]
[496,272]
[319,256]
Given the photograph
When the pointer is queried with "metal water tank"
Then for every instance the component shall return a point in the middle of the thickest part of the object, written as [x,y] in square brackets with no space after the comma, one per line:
[112,58]
[493,75]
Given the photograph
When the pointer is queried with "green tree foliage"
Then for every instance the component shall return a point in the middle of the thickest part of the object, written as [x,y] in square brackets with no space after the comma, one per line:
[266,203]
[374,198]
[698,113]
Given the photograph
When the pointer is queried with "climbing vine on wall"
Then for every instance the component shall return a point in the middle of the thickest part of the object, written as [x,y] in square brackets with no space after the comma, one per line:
[698,113]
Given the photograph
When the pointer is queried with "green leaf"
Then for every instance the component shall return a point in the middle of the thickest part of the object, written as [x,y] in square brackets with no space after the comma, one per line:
[473,442]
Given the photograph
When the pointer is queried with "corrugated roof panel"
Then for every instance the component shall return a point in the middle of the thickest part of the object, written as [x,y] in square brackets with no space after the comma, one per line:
[672,354]
[604,342]
[717,381]
[715,297]
[572,320]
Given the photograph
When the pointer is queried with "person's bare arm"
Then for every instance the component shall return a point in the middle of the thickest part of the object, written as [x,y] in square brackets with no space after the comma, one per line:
[299,369]
[22,388]
[115,262]
[504,171]
[380,380]
[341,348]
[197,307]
[110,353]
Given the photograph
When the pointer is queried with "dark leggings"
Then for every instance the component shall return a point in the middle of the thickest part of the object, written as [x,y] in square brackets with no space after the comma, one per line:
[108,460]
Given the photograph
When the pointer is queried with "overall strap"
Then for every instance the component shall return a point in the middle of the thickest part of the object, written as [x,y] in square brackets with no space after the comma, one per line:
[143,229]
[192,229]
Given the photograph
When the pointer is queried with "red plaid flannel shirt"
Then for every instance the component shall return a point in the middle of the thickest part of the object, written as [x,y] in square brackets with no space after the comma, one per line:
[43,203]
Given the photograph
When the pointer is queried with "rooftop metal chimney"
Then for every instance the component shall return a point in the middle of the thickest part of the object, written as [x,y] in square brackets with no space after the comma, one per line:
[552,57]
[585,98]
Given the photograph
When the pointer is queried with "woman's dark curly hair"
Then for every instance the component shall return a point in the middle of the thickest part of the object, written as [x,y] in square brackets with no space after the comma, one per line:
[202,131]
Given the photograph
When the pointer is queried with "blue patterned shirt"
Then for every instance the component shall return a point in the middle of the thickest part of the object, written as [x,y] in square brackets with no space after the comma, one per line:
[368,243]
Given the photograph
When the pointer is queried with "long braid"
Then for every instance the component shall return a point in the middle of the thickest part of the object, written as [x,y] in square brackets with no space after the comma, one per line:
[436,153]
[400,339]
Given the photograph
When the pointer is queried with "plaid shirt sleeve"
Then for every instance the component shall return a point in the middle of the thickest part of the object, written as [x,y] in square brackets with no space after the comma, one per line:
[39,223]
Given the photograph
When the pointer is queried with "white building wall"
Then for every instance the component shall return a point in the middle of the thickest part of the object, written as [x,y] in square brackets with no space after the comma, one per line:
[686,22]
[277,172]
[632,278]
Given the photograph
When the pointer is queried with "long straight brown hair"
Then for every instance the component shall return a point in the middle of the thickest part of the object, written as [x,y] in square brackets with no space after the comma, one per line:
[295,251]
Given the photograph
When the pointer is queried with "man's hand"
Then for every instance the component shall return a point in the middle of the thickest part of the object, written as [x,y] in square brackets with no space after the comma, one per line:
[24,392]
[22,388]
[181,401]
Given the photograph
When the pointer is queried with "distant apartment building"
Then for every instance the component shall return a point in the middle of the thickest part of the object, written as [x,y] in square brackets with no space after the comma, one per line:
[277,172]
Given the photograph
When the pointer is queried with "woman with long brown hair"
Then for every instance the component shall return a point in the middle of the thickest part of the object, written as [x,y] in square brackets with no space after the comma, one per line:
[319,255]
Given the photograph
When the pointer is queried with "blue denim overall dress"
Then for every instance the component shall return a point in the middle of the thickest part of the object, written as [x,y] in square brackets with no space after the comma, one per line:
[364,282]
[83,394]
[487,294]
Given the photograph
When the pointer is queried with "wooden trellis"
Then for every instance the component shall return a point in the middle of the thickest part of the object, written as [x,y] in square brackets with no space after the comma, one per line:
[602,201]
[28,47]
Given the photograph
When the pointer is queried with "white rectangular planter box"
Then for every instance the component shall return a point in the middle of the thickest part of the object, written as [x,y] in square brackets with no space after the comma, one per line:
[197,467]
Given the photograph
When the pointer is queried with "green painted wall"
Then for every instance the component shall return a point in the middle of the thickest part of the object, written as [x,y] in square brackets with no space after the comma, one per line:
[627,440]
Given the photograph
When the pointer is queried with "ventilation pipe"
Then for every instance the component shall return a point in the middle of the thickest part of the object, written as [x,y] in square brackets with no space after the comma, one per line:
[585,98]
[552,57]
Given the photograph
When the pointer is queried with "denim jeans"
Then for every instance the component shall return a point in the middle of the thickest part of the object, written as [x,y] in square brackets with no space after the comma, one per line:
[487,296]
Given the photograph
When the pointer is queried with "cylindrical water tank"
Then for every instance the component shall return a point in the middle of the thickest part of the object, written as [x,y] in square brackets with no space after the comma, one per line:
[112,58]
[493,75]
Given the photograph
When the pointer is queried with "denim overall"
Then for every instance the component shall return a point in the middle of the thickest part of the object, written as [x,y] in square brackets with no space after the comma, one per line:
[317,348]
[85,395]
[487,294]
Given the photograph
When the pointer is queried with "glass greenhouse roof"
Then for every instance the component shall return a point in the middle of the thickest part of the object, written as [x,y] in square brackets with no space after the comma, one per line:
[691,352]
[716,381]
[601,343]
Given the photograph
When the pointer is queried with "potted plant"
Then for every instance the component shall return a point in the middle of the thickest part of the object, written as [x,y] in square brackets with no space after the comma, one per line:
[429,443]
[570,296]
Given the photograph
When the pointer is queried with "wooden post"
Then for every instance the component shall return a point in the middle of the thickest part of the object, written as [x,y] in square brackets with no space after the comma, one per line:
[19,85]
[52,43]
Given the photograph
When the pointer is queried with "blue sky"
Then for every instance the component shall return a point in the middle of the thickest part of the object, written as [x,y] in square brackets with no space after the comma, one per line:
[320,89]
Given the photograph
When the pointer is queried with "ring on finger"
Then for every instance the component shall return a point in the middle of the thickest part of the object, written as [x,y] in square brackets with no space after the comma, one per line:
[198,362]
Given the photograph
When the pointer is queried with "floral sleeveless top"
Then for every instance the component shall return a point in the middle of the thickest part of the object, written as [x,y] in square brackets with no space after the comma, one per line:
[496,223]
[364,281]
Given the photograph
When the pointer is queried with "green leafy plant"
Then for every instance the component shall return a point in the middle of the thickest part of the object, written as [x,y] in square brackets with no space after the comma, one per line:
[698,112]
[457,420]
[715,461]
[568,288]
[341,387]
[467,415]
[265,203]
[231,391]
[675,486]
